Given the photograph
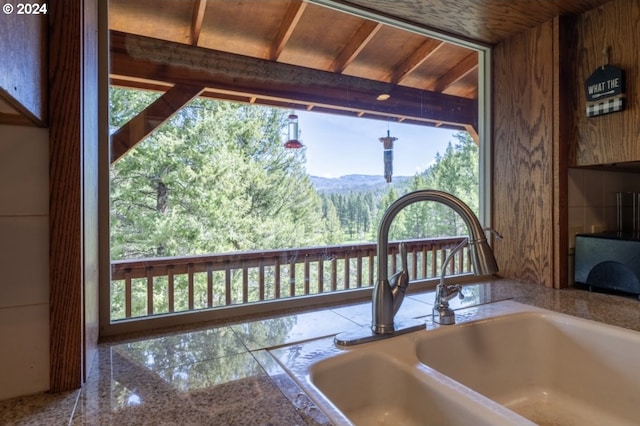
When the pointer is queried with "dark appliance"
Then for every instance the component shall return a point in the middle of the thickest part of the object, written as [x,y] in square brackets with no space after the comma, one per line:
[609,261]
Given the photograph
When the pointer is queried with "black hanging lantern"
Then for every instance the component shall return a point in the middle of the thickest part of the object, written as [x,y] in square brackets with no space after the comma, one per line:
[388,155]
[293,142]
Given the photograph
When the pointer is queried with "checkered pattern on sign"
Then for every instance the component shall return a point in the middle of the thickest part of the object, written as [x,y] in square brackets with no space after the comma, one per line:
[605,107]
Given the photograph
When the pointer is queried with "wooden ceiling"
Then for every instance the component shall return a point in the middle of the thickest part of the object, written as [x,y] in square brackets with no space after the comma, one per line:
[287,53]
[305,35]
[302,55]
[486,21]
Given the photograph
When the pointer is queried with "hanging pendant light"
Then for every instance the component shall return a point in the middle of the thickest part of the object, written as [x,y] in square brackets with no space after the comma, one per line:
[388,155]
[293,142]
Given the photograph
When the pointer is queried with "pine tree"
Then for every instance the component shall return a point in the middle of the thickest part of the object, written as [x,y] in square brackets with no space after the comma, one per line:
[215,178]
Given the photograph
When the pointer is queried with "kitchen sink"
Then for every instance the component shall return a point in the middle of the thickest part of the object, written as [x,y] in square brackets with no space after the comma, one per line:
[504,363]
[369,388]
[548,367]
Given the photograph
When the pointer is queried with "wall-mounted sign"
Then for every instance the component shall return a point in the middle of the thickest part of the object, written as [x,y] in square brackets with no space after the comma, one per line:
[605,91]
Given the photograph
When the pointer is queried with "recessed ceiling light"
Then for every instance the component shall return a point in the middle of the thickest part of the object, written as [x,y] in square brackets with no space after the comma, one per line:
[383,97]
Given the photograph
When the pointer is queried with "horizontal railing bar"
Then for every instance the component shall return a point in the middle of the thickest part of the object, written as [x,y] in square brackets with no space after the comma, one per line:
[141,268]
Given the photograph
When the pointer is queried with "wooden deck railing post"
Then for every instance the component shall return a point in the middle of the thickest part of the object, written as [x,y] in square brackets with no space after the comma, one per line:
[347,264]
[190,286]
[261,280]
[127,294]
[321,276]
[209,285]
[150,291]
[171,289]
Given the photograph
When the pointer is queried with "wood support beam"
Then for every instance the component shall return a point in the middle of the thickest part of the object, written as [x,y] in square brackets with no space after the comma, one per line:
[473,132]
[416,59]
[142,125]
[459,71]
[136,58]
[294,13]
[196,21]
[355,46]
[73,191]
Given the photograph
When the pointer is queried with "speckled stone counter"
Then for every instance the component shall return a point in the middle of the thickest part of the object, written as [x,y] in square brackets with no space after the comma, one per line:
[226,375]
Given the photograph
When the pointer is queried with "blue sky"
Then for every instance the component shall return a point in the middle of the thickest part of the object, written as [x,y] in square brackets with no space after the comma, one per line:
[338,146]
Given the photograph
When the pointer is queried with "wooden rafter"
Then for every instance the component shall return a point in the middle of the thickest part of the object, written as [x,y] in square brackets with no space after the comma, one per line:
[414,60]
[142,125]
[460,70]
[358,42]
[294,13]
[196,22]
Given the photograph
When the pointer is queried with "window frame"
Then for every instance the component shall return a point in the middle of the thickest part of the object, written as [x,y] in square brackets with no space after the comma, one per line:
[107,328]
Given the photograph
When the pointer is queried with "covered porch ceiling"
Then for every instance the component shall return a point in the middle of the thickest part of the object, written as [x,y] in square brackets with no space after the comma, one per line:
[302,55]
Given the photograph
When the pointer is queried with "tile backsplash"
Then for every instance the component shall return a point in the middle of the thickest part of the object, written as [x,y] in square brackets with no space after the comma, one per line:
[592,199]
[24,260]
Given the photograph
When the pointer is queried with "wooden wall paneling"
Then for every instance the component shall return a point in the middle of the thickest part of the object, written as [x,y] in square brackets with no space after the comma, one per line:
[65,248]
[523,197]
[72,134]
[609,138]
[23,69]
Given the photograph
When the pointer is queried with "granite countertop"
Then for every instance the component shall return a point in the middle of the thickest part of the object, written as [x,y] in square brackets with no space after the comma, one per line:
[225,374]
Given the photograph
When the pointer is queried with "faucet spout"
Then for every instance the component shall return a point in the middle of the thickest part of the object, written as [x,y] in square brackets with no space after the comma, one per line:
[384,302]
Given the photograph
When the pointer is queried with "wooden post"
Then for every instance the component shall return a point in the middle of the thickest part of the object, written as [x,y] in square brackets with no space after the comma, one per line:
[73,203]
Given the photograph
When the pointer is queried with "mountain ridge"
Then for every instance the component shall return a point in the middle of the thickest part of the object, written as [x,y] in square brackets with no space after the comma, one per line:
[355,182]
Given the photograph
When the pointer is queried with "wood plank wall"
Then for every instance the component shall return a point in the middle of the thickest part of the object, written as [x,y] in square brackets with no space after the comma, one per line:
[72,165]
[23,67]
[609,138]
[529,190]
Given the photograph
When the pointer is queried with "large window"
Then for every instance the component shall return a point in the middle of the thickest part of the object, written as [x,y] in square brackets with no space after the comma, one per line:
[216,179]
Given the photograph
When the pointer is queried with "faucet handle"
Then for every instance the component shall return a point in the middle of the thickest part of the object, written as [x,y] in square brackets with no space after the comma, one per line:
[494,232]
[460,294]
[403,256]
[457,289]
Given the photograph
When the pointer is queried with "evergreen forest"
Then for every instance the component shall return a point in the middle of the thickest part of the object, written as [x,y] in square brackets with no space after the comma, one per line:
[215,178]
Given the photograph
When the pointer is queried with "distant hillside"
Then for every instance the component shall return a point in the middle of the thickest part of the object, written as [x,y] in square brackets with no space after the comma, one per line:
[355,183]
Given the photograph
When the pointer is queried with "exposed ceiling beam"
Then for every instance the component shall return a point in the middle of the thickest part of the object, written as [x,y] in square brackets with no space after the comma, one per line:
[231,96]
[142,125]
[459,71]
[358,42]
[414,60]
[196,21]
[136,58]
[289,23]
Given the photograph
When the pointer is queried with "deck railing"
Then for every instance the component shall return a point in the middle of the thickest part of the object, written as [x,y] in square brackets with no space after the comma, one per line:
[155,286]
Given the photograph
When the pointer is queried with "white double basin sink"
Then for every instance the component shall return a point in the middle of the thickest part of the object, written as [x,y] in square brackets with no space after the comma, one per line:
[505,363]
